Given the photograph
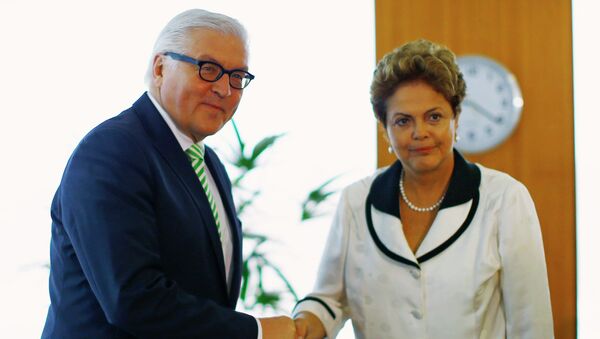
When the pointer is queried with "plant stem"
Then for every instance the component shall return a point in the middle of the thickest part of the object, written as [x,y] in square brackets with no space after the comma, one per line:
[239,138]
[280,274]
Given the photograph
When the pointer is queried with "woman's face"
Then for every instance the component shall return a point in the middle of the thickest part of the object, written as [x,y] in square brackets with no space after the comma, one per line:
[421,128]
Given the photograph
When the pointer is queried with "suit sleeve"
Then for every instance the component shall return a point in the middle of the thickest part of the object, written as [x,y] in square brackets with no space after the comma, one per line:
[524,281]
[328,299]
[108,211]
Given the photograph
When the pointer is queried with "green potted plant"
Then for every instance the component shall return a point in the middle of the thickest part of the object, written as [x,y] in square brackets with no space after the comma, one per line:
[255,291]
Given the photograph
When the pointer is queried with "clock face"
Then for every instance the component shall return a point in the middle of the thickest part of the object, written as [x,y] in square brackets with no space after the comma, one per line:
[492,107]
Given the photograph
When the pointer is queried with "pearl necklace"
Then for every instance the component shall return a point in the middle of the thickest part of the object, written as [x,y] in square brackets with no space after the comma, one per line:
[411,205]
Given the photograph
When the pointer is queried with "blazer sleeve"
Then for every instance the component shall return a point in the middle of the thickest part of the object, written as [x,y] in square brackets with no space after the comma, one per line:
[107,205]
[328,299]
[524,281]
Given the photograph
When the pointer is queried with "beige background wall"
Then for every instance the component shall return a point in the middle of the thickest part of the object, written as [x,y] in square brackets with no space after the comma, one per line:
[533,39]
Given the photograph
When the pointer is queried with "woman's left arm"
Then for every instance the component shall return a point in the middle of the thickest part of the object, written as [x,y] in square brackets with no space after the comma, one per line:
[524,281]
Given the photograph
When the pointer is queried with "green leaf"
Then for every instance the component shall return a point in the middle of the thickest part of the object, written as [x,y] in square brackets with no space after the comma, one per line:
[245,279]
[243,204]
[268,299]
[237,182]
[263,145]
[255,236]
[318,196]
[306,214]
[246,164]
[314,198]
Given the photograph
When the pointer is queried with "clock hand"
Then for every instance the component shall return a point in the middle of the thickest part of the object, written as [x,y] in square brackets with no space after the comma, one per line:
[481,110]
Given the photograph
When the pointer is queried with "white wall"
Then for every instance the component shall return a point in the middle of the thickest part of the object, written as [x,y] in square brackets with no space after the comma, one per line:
[587,163]
[68,65]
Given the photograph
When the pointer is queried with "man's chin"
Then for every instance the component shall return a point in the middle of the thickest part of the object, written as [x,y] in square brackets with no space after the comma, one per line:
[207,131]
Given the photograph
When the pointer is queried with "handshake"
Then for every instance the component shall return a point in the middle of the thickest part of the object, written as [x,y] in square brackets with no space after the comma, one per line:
[304,326]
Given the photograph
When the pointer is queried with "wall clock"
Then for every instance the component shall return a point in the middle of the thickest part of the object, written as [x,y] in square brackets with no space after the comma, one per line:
[492,107]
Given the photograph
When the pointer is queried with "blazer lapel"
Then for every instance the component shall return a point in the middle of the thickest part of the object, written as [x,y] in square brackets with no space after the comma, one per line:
[166,144]
[224,187]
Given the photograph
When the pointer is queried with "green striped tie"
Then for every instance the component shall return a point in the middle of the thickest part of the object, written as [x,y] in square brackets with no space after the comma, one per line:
[196,155]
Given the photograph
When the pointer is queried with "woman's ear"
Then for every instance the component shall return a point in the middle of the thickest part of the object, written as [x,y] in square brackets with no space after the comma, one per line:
[456,136]
[385,136]
[383,131]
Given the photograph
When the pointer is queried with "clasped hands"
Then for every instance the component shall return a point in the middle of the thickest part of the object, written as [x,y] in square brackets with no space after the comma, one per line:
[304,326]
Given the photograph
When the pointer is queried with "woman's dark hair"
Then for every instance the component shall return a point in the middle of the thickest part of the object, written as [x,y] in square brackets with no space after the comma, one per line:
[419,60]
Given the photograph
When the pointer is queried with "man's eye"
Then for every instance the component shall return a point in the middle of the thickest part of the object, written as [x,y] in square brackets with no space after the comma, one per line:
[208,68]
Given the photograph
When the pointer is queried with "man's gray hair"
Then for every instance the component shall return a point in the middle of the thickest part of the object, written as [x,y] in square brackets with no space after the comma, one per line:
[173,37]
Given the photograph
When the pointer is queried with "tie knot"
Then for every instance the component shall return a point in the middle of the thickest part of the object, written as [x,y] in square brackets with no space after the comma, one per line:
[195,152]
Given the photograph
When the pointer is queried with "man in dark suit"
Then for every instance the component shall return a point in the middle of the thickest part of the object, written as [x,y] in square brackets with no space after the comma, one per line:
[145,238]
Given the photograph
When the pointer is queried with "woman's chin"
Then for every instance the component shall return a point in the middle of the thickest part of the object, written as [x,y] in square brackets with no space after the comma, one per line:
[423,165]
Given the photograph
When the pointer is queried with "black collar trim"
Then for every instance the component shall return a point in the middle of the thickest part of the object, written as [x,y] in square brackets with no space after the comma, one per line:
[463,187]
[464,183]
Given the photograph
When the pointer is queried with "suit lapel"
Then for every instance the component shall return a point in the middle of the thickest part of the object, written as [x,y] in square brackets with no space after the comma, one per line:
[166,144]
[224,187]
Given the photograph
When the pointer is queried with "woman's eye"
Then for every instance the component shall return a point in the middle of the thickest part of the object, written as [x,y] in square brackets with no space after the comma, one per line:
[435,117]
[401,121]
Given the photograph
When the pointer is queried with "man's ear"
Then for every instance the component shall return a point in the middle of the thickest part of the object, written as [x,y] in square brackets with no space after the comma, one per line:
[157,70]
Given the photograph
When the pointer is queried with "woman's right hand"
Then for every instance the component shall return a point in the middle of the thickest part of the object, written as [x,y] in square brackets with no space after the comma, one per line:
[308,326]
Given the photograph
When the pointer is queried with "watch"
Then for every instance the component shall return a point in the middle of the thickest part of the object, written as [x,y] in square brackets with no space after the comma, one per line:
[492,107]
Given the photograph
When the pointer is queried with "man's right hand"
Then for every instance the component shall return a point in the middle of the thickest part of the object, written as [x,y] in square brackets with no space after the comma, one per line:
[308,326]
[280,327]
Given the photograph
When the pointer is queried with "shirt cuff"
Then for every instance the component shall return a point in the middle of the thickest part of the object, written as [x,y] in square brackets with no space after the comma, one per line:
[330,318]
[259,328]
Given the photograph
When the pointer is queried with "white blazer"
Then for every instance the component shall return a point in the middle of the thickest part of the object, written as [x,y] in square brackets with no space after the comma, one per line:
[480,271]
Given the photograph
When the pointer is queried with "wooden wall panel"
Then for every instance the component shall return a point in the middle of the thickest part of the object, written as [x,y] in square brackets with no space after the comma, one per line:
[533,39]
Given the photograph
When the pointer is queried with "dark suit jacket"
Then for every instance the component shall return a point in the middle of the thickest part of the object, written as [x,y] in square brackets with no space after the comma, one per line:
[135,251]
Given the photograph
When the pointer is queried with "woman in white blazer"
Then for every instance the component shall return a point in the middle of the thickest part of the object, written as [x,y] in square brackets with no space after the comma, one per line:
[432,246]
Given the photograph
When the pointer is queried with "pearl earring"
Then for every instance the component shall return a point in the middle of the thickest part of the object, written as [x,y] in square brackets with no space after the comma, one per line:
[456,137]
[390,150]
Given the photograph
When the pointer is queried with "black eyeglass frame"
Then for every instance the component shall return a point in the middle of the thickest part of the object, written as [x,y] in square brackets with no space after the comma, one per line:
[200,63]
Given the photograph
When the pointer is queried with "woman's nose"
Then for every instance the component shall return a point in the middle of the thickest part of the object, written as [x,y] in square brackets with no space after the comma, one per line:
[419,130]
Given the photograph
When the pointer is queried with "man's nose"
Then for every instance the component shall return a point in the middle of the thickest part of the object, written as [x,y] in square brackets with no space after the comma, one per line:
[222,87]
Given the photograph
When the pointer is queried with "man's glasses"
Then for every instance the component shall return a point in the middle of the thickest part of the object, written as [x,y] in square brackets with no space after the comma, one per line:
[212,71]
